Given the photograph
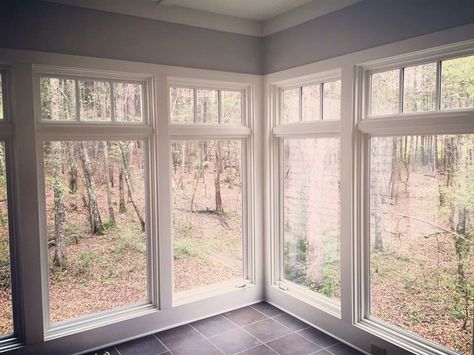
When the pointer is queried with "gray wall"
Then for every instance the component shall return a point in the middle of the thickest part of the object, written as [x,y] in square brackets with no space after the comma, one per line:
[367,24]
[50,27]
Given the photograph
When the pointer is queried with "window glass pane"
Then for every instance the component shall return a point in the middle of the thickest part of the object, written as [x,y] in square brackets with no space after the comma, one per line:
[311,214]
[231,104]
[457,83]
[182,105]
[385,93]
[207,212]
[6,309]
[95,100]
[291,105]
[419,88]
[206,106]
[95,203]
[422,236]
[332,100]
[311,102]
[2,115]
[128,102]
[58,99]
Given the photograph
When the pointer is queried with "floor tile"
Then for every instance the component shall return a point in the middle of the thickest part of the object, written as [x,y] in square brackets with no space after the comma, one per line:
[267,309]
[322,352]
[290,322]
[318,337]
[213,326]
[203,347]
[107,351]
[234,341]
[343,349]
[179,337]
[244,316]
[267,330]
[148,345]
[259,350]
[293,344]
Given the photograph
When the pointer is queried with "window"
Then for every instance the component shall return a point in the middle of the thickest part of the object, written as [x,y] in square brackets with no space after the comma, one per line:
[211,106]
[209,189]
[307,191]
[68,99]
[434,86]
[95,196]
[420,183]
[311,214]
[312,102]
[7,287]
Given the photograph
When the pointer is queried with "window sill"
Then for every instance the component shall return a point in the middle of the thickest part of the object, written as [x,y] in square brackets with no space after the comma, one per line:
[9,344]
[201,293]
[402,338]
[98,320]
[312,298]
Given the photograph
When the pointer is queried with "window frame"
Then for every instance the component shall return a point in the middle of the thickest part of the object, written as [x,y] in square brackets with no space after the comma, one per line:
[438,121]
[279,131]
[57,130]
[245,133]
[13,340]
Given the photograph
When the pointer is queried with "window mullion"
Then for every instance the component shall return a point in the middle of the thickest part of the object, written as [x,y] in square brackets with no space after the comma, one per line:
[438,86]
[32,264]
[78,100]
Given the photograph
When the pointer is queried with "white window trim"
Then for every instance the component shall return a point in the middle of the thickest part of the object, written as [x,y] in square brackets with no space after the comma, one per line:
[82,130]
[456,121]
[11,341]
[300,129]
[222,131]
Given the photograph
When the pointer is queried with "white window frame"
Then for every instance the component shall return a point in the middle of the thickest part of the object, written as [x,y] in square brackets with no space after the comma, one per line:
[455,121]
[301,129]
[243,132]
[50,130]
[11,341]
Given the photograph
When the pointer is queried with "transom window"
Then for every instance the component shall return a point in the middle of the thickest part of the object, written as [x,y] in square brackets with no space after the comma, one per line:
[195,105]
[433,86]
[320,101]
[70,99]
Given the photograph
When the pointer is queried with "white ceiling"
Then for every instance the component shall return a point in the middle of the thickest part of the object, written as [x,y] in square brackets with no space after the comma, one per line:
[249,17]
[259,10]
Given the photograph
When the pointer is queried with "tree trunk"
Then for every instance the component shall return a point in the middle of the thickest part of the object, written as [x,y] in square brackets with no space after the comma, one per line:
[126,176]
[97,227]
[107,179]
[59,209]
[122,205]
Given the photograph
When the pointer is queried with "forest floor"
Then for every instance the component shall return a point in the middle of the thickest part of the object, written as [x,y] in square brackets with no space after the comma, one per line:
[414,278]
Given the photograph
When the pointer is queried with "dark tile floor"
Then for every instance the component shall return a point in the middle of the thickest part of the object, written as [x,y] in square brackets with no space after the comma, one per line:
[260,329]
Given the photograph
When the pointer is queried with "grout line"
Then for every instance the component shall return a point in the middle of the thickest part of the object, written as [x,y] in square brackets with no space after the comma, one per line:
[206,338]
[241,328]
[167,349]
[322,347]
[117,350]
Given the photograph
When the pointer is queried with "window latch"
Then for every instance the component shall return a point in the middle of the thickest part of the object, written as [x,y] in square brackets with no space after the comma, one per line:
[243,284]
[282,287]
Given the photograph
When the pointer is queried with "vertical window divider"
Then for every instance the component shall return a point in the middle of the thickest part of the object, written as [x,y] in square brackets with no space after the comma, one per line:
[300,104]
[438,86]
[321,101]
[112,103]
[194,105]
[78,100]
[401,90]
[219,107]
